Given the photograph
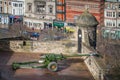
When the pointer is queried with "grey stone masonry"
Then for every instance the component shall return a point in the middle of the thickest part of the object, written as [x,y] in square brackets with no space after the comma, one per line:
[66,47]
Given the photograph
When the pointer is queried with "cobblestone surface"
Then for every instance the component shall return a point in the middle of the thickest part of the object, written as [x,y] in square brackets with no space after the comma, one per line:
[70,69]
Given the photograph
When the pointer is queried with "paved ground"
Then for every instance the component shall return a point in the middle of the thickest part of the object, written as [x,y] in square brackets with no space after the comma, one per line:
[70,69]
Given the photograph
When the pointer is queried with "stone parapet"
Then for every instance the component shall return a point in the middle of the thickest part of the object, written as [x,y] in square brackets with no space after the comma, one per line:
[95,65]
[65,47]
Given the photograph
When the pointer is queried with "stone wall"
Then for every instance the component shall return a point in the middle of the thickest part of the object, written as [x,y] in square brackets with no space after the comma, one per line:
[4,45]
[40,47]
[94,64]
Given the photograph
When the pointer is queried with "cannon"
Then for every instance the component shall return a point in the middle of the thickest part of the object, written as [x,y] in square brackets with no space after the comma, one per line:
[48,61]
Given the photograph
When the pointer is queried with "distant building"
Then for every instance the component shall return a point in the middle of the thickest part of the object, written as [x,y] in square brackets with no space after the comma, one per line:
[5,10]
[39,14]
[11,11]
[60,10]
[112,13]
[75,7]
[17,7]
[17,11]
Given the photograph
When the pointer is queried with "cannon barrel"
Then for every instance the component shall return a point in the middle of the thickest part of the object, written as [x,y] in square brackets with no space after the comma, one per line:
[61,56]
[80,55]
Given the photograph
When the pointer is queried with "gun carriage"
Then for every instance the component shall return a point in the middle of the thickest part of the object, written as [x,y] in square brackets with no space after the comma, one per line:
[48,61]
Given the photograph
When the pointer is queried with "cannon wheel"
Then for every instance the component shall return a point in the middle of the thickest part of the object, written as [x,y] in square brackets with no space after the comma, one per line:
[52,66]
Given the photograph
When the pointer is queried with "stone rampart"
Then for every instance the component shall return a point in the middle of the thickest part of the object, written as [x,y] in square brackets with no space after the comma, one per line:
[95,64]
[40,47]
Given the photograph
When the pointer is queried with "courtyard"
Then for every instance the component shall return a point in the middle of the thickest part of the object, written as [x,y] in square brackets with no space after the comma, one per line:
[70,69]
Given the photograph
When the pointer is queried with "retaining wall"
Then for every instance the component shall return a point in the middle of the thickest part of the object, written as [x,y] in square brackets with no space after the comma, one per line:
[66,47]
[95,65]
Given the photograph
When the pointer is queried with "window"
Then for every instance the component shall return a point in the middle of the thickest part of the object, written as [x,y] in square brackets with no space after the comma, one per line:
[107,14]
[106,23]
[16,5]
[40,8]
[119,14]
[20,12]
[108,6]
[119,6]
[29,6]
[0,2]
[110,14]
[13,4]
[0,9]
[14,11]
[119,24]
[50,10]
[110,24]
[5,2]
[9,3]
[20,5]
[0,19]
[113,24]
[113,14]
[25,23]
[29,23]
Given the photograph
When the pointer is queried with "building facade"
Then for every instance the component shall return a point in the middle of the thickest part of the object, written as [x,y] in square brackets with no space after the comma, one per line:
[17,11]
[60,10]
[75,7]
[17,8]
[11,11]
[39,14]
[112,13]
[5,10]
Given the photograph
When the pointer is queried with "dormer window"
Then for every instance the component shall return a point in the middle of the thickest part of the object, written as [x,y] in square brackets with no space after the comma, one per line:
[29,6]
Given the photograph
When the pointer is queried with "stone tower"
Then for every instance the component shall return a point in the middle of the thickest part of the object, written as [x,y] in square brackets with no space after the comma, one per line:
[87,23]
